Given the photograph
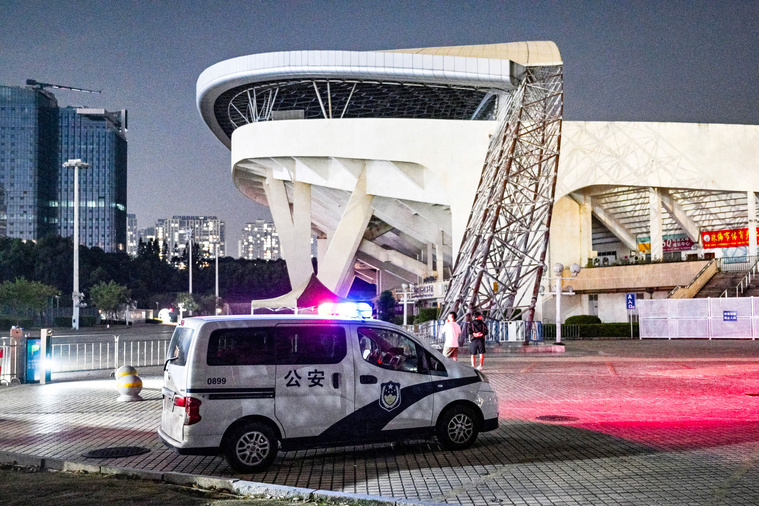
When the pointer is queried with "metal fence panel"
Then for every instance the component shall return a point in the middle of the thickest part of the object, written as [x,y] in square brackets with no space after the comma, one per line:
[71,357]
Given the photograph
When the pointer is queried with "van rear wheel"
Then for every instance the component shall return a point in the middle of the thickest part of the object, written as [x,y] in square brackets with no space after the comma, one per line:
[457,428]
[251,447]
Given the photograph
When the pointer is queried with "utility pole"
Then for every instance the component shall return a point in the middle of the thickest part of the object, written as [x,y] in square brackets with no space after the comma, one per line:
[75,295]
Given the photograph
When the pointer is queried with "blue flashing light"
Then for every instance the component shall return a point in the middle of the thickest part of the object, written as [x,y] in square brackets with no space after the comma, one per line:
[346,309]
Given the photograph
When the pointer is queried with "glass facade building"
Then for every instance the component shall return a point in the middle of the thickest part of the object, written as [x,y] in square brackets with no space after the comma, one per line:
[97,137]
[28,161]
[37,193]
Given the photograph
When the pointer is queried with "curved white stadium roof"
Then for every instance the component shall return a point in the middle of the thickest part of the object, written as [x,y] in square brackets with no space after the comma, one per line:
[496,67]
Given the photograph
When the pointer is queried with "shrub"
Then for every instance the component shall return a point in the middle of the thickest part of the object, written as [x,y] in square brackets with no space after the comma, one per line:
[582,319]
[426,314]
[87,321]
[62,321]
[6,322]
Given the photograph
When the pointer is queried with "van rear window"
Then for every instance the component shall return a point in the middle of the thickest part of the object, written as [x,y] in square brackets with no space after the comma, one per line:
[285,345]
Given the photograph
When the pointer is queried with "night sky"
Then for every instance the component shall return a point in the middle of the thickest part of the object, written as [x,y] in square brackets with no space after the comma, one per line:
[679,61]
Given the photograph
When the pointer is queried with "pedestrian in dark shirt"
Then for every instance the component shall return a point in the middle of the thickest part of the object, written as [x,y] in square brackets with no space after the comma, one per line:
[477,339]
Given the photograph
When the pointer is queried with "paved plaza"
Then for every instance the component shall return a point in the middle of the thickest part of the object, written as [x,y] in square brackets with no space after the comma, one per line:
[607,422]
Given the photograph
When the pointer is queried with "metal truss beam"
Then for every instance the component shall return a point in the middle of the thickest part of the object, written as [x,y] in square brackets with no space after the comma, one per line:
[502,256]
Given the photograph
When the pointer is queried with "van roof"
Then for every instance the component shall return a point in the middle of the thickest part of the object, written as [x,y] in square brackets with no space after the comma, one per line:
[283,317]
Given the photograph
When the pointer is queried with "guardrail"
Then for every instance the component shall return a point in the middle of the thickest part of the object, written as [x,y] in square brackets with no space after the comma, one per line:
[75,357]
[746,280]
[498,332]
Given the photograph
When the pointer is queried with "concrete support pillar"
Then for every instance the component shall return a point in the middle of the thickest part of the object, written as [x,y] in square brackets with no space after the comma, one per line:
[337,270]
[294,228]
[439,258]
[655,224]
[430,263]
[752,249]
[586,230]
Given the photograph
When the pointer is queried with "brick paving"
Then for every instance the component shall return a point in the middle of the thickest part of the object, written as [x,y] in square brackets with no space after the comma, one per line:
[636,422]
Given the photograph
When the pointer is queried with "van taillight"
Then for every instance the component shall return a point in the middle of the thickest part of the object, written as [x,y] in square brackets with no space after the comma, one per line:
[191,407]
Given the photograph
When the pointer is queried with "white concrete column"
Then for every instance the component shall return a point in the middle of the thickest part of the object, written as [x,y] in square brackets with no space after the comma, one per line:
[751,197]
[586,230]
[294,228]
[337,270]
[439,258]
[430,266]
[655,224]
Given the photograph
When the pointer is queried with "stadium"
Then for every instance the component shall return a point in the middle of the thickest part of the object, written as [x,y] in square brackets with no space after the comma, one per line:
[385,156]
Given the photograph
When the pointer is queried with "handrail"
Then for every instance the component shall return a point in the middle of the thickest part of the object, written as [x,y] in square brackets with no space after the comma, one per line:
[746,279]
[712,264]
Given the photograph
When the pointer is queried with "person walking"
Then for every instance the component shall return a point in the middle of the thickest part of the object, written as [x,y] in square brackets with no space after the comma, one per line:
[477,339]
[450,333]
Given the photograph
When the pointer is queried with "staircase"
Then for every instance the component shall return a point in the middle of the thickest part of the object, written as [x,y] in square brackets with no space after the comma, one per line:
[729,280]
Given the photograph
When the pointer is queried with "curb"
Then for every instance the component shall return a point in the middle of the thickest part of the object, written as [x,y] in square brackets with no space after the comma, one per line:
[242,488]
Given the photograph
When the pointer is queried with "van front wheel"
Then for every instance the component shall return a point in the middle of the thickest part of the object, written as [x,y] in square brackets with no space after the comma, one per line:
[251,447]
[457,428]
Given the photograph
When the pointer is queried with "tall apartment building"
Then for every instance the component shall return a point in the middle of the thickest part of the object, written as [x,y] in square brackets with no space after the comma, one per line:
[132,235]
[206,231]
[36,138]
[28,160]
[259,240]
[97,137]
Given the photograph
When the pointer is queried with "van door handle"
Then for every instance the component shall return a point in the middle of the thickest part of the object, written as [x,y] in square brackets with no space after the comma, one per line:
[336,380]
[367,379]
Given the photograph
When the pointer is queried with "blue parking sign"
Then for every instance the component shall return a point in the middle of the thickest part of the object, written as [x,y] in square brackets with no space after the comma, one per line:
[630,301]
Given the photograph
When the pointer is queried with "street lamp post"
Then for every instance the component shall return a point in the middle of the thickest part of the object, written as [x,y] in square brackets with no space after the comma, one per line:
[407,290]
[216,286]
[76,164]
[188,234]
[558,269]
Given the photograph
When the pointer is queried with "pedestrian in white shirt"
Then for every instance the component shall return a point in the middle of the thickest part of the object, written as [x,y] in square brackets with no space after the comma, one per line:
[450,332]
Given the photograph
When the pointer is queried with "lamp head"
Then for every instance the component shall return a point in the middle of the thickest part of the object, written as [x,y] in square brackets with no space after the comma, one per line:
[558,268]
[575,269]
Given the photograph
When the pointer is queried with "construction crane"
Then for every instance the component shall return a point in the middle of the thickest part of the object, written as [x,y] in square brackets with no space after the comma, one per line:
[39,86]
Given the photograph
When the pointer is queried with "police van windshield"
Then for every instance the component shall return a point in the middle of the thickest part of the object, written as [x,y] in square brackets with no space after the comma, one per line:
[179,346]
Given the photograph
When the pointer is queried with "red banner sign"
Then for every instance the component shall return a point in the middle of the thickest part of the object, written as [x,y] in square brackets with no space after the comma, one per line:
[732,238]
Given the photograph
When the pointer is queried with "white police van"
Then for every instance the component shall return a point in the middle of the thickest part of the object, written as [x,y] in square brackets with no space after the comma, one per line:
[246,386]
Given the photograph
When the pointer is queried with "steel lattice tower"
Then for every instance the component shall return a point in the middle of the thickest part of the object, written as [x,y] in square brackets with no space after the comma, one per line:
[502,256]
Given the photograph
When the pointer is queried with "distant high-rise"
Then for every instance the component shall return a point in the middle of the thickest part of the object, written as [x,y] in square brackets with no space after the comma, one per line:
[259,240]
[36,138]
[132,235]
[29,162]
[97,137]
[205,231]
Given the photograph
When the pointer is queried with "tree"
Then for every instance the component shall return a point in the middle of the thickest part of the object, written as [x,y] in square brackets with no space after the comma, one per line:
[386,306]
[109,297]
[186,302]
[23,296]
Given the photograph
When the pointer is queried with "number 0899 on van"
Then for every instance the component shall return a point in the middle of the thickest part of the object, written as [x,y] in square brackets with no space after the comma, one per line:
[248,386]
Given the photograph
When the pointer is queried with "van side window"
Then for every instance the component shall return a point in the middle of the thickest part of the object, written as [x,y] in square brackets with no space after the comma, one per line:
[317,344]
[249,346]
[179,346]
[390,350]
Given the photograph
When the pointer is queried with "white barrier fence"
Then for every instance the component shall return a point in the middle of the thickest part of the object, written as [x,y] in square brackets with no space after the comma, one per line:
[94,356]
[720,318]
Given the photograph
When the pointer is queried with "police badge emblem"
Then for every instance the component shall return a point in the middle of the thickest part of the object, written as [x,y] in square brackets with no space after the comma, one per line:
[390,395]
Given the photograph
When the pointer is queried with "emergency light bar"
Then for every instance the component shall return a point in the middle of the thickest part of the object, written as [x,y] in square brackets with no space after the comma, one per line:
[346,309]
